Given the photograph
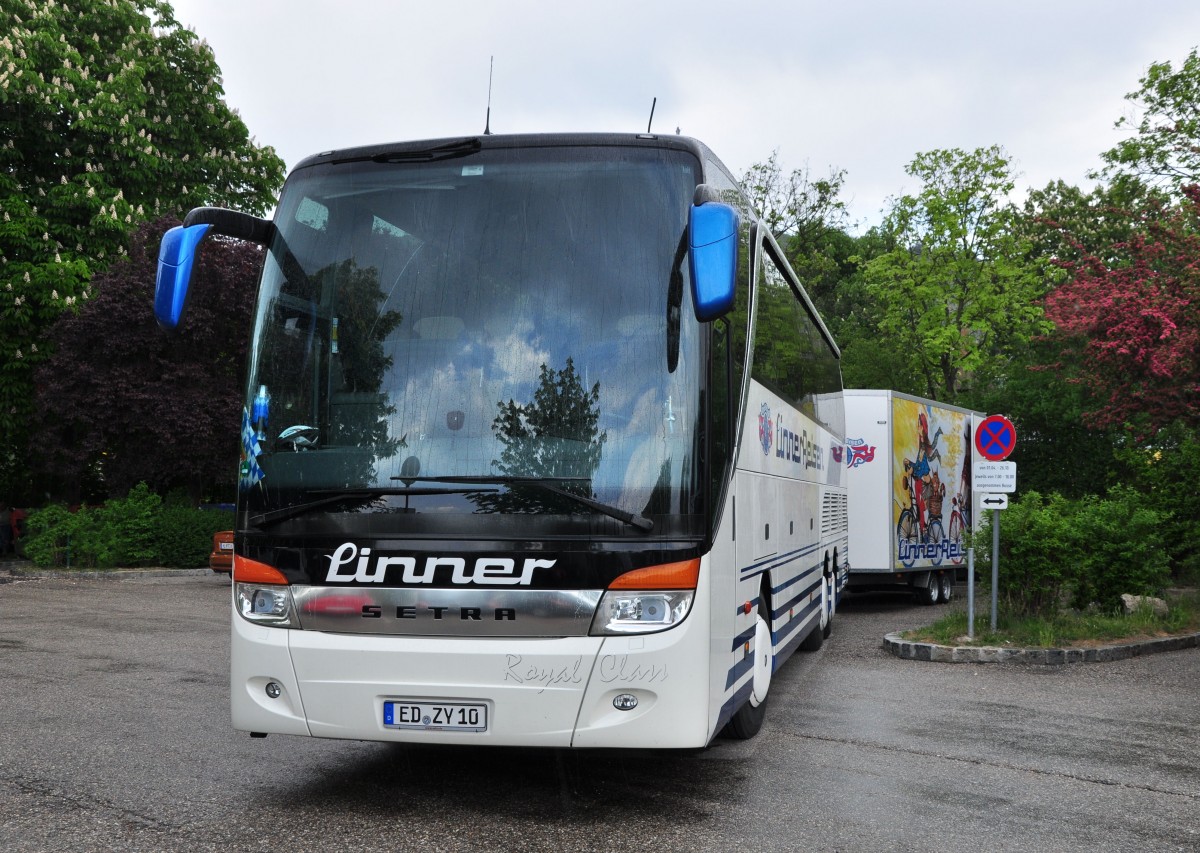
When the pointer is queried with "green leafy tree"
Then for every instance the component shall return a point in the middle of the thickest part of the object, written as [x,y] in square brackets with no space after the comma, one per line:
[1165,151]
[869,359]
[1165,475]
[808,218]
[1064,223]
[957,288]
[111,113]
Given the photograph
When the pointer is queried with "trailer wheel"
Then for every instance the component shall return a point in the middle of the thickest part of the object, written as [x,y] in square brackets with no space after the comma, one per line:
[748,719]
[946,591]
[931,592]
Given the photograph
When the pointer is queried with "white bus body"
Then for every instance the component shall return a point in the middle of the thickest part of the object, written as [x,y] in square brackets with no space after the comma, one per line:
[621,559]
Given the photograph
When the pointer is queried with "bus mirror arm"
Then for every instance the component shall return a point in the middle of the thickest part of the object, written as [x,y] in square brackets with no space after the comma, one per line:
[232,223]
[177,254]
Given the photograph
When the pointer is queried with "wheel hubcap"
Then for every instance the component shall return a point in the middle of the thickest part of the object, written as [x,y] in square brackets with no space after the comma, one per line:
[762,662]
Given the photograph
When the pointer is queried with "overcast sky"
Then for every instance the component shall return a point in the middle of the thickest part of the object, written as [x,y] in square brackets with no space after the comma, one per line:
[857,86]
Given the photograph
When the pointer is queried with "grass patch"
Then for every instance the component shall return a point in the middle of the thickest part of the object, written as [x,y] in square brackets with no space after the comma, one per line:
[1065,630]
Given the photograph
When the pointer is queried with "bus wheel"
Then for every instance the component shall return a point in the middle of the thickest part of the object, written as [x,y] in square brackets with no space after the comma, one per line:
[748,719]
[946,591]
[831,591]
[816,637]
[929,593]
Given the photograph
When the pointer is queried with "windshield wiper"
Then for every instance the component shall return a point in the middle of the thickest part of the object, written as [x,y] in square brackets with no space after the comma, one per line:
[546,484]
[333,496]
[458,148]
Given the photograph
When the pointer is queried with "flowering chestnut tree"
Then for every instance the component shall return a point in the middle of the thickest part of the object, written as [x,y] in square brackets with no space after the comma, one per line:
[111,114]
[1130,330]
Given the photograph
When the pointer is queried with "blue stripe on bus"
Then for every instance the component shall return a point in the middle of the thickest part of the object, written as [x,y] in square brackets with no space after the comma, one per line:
[784,653]
[743,638]
[775,561]
[732,704]
[738,670]
[814,584]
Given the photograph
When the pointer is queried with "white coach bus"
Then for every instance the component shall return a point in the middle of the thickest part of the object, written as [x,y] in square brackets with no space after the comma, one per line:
[542,445]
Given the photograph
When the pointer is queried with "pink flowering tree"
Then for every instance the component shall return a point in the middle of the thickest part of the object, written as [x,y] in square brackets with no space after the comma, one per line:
[1129,329]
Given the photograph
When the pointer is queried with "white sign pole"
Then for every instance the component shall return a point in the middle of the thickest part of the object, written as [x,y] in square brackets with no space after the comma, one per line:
[970,593]
[995,562]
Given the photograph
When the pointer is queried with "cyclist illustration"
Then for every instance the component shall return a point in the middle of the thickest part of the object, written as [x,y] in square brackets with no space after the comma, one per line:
[921,522]
[960,515]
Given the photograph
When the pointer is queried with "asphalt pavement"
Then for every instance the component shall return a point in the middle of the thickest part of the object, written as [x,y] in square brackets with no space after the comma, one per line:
[114,735]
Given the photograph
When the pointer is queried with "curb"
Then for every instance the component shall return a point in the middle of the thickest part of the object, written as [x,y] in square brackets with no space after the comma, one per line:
[910,650]
[101,574]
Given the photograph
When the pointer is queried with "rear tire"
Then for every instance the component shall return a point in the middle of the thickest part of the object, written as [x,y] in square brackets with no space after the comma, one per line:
[830,583]
[816,637]
[946,588]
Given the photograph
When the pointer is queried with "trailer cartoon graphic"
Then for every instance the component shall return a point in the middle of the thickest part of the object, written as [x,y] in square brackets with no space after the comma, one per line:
[931,455]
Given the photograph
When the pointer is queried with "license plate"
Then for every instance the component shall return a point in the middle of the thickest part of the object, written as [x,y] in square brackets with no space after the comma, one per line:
[226,546]
[435,716]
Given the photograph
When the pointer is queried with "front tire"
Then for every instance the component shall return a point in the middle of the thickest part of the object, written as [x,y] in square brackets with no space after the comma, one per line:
[930,592]
[748,719]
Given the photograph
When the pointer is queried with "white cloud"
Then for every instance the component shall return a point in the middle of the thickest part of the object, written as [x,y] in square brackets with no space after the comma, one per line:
[861,87]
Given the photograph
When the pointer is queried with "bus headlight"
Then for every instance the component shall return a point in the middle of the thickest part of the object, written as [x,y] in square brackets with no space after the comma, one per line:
[265,605]
[624,611]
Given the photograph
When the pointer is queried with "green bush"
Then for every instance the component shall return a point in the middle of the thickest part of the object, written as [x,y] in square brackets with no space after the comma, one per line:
[1121,549]
[135,531]
[184,538]
[1165,474]
[1055,551]
[48,535]
[1037,545]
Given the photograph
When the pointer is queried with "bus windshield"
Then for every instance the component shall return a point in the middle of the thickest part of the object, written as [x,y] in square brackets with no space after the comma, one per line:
[506,332]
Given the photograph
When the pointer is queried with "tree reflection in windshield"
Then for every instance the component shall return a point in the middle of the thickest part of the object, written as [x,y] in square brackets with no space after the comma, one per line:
[555,435]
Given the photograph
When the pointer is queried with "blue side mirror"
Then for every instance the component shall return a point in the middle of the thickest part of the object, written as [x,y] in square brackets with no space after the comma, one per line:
[176,254]
[712,258]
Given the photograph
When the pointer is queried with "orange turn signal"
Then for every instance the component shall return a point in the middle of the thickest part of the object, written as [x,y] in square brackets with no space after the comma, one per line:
[667,576]
[252,571]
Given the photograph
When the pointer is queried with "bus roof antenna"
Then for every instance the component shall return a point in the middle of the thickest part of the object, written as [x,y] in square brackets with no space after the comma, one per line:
[652,105]
[487,123]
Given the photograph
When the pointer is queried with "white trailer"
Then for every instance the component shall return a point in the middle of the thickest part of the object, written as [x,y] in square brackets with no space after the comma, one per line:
[908,464]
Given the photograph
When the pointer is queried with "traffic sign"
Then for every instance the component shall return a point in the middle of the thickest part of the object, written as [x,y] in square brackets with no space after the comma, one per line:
[994,476]
[995,437]
[993,501]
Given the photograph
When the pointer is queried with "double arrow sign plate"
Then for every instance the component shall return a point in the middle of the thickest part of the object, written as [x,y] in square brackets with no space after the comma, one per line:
[993,501]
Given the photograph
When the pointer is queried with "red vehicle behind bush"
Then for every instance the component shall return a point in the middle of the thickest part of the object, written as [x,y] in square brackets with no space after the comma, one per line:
[221,558]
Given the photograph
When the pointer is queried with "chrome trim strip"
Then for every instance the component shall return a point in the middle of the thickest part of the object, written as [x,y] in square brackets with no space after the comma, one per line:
[446,612]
